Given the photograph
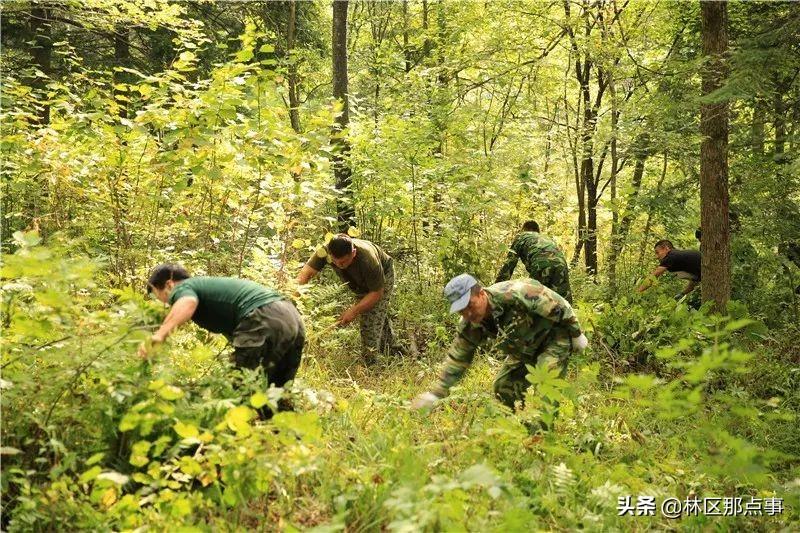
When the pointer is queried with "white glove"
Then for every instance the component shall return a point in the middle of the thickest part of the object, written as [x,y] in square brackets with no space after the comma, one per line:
[579,343]
[426,400]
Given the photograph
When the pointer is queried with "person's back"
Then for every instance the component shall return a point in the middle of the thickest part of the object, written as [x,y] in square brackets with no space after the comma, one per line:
[223,302]
[543,259]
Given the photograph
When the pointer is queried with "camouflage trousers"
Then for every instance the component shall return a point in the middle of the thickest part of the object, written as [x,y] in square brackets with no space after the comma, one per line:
[510,383]
[377,333]
[556,277]
[272,338]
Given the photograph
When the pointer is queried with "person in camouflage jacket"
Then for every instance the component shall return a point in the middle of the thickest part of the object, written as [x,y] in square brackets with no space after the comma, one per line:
[541,256]
[529,322]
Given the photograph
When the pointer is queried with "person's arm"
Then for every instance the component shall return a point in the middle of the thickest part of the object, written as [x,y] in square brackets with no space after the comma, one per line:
[180,313]
[362,306]
[306,273]
[647,283]
[458,360]
[507,270]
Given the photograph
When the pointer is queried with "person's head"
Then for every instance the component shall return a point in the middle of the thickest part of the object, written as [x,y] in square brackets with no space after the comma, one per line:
[530,225]
[467,296]
[163,279]
[662,248]
[698,234]
[342,250]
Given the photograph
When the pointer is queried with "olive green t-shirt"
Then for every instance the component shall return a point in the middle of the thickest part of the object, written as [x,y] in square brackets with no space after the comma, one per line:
[365,274]
[223,302]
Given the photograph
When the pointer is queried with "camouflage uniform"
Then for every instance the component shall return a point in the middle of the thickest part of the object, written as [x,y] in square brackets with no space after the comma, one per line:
[543,259]
[529,322]
[377,333]
[371,270]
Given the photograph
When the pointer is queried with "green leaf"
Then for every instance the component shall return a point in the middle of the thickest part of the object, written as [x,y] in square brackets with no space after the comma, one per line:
[738,324]
[238,419]
[8,450]
[170,392]
[186,431]
[90,474]
[259,399]
[129,421]
[114,477]
[181,507]
[96,458]
[244,55]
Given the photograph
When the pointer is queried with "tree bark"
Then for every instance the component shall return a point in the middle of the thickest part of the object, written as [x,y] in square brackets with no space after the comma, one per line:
[42,52]
[406,49]
[780,120]
[122,58]
[341,167]
[641,147]
[714,200]
[757,126]
[294,91]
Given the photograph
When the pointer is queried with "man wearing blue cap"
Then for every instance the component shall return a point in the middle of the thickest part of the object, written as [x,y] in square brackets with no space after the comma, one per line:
[526,320]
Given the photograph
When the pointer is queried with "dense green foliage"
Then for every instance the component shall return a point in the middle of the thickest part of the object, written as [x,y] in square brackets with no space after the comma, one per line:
[466,119]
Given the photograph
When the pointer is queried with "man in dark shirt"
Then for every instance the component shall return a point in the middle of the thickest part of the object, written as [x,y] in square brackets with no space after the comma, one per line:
[683,263]
[263,326]
[369,273]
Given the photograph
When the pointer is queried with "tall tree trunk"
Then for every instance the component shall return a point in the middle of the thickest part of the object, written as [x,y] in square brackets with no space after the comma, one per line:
[714,201]
[426,46]
[42,52]
[341,166]
[795,119]
[779,109]
[294,90]
[757,126]
[406,49]
[641,152]
[122,58]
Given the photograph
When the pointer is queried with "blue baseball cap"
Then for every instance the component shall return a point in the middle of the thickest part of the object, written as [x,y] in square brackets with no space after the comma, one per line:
[457,291]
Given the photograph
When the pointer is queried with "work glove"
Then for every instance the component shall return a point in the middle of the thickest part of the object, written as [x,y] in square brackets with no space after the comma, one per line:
[426,400]
[579,343]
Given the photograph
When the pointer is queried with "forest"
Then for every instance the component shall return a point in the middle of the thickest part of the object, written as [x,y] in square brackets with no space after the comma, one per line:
[413,138]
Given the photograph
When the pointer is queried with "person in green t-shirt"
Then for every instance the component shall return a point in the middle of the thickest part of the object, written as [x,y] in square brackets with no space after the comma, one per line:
[368,272]
[263,326]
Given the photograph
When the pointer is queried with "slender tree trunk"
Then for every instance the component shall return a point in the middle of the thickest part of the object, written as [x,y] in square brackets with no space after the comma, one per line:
[341,166]
[795,119]
[122,58]
[614,162]
[757,127]
[587,177]
[426,46]
[42,52]
[779,108]
[294,91]
[641,151]
[406,49]
[714,201]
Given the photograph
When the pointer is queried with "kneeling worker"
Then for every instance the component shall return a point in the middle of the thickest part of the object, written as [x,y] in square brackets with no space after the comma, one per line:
[369,273]
[529,322]
[683,263]
[263,326]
